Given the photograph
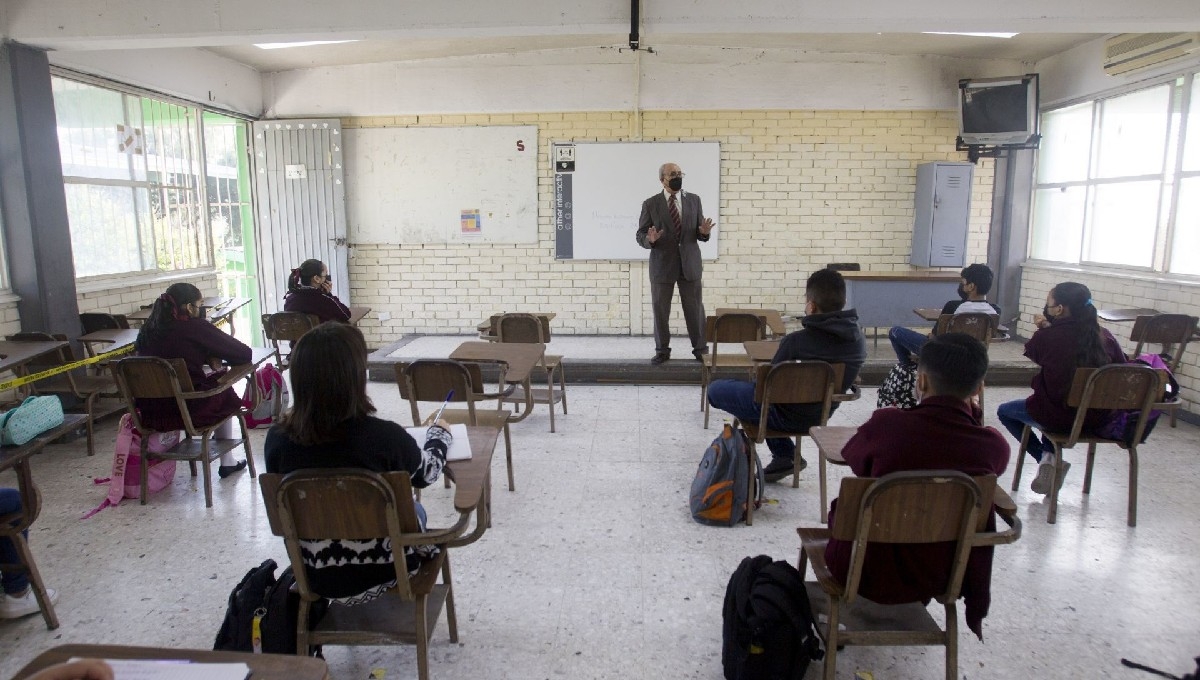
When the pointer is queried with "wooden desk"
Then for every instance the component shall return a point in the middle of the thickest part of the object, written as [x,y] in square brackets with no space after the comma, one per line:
[218,309]
[262,666]
[473,483]
[357,313]
[1125,315]
[771,317]
[117,338]
[883,299]
[258,355]
[488,327]
[520,359]
[761,350]
[832,439]
[14,354]
[929,313]
[16,458]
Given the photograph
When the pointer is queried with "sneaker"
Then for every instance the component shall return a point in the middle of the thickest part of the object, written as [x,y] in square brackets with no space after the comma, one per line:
[224,471]
[779,468]
[14,607]
[1041,483]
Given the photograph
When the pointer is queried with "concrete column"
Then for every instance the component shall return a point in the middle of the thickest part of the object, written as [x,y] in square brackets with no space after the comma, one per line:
[1008,240]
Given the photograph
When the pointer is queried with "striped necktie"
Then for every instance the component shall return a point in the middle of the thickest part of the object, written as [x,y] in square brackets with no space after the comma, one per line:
[676,219]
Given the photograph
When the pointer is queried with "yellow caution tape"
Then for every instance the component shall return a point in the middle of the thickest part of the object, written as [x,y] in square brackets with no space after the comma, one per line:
[50,372]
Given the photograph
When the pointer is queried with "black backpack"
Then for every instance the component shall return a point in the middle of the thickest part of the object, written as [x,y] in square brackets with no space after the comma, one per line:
[260,594]
[768,623]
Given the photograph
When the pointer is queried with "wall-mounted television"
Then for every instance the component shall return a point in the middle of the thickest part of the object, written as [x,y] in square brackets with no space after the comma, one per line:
[998,111]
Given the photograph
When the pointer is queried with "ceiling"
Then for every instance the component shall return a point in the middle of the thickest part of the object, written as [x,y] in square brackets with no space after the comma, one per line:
[1026,47]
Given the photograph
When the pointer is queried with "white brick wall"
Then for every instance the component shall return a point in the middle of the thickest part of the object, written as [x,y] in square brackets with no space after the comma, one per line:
[1120,290]
[800,189]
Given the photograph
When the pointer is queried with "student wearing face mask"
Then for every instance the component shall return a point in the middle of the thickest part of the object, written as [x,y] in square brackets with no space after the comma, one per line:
[1068,337]
[973,287]
[830,333]
[175,330]
[310,291]
[671,226]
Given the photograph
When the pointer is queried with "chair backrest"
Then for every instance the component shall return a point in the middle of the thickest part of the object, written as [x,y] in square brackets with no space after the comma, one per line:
[916,507]
[978,325]
[1171,329]
[64,355]
[96,321]
[341,503]
[153,378]
[1126,387]
[433,379]
[521,327]
[288,326]
[737,327]
[798,382]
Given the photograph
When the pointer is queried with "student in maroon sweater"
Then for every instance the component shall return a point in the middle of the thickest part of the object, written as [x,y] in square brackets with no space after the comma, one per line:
[175,330]
[944,431]
[311,292]
[1068,337]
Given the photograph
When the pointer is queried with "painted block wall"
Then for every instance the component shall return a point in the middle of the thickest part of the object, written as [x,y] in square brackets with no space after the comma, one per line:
[799,189]
[1117,290]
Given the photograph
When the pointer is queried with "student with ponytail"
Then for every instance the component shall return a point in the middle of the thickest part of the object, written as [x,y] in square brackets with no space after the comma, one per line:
[175,330]
[1068,337]
[310,291]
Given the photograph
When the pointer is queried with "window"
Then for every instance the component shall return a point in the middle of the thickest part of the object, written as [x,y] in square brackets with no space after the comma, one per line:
[1118,180]
[141,194]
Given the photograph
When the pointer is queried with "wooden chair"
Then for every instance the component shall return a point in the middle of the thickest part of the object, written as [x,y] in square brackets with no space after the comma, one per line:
[903,507]
[530,328]
[339,503]
[1174,332]
[432,379]
[978,325]
[12,528]
[729,329]
[287,327]
[793,382]
[95,321]
[88,389]
[156,378]
[1116,386]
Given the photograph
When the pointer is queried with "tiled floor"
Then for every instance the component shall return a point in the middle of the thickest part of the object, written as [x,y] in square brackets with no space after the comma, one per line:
[593,568]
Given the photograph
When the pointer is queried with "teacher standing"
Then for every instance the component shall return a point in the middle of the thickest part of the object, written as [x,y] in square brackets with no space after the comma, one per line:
[671,226]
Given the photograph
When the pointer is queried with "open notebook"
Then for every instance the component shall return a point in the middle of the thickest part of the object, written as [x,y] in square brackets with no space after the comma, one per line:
[460,448]
[171,669]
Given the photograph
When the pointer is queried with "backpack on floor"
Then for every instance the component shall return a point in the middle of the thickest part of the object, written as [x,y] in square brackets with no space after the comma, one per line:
[273,397]
[260,600]
[899,389]
[126,478]
[767,628]
[719,490]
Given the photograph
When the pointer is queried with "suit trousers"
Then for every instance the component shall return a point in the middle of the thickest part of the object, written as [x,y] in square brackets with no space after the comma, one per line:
[692,299]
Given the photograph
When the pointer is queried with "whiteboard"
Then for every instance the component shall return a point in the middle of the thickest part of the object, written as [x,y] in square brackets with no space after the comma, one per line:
[441,184]
[611,180]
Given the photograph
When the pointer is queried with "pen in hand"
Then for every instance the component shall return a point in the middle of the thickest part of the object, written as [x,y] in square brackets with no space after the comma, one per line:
[438,416]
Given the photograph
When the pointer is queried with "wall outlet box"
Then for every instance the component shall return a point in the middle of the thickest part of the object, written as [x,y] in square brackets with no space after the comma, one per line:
[384,316]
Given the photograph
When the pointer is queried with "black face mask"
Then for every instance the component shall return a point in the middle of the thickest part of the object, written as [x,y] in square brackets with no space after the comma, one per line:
[962,293]
[1046,312]
[676,183]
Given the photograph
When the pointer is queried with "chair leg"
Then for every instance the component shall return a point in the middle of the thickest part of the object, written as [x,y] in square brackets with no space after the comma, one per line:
[302,628]
[420,606]
[1025,433]
[1131,515]
[508,457]
[951,641]
[90,405]
[35,580]
[1087,473]
[550,397]
[796,458]
[246,446]
[1052,512]
[751,481]
[831,640]
[206,467]
[451,617]
[562,384]
[822,472]
[704,380]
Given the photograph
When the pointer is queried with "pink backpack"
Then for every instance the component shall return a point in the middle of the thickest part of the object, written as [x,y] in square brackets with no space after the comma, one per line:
[126,479]
[273,397]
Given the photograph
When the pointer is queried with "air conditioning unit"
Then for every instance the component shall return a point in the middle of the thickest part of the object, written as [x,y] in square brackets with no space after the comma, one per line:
[1128,52]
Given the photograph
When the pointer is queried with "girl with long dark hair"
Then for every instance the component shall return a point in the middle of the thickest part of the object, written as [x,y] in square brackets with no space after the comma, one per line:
[175,330]
[331,425]
[310,291]
[1068,337]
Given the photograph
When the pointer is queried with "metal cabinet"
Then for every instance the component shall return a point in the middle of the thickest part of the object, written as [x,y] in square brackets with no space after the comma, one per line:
[943,211]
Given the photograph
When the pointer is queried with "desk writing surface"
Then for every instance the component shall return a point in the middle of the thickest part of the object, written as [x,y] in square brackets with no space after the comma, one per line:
[520,357]
[761,350]
[357,313]
[471,475]
[262,666]
[1125,315]
[16,353]
[772,317]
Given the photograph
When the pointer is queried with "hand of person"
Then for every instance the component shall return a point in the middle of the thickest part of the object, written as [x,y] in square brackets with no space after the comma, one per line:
[653,234]
[707,226]
[85,669]
[215,364]
[327,285]
[441,422]
[1040,321]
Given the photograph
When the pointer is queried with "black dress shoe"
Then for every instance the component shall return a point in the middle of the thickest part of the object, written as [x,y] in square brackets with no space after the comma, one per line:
[224,471]
[660,358]
[699,353]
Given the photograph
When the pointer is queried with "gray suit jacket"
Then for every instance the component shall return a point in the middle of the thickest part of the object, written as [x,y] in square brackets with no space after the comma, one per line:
[670,259]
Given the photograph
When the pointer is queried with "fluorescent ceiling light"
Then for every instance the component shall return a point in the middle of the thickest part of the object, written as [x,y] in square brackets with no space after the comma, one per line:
[279,46]
[976,35]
